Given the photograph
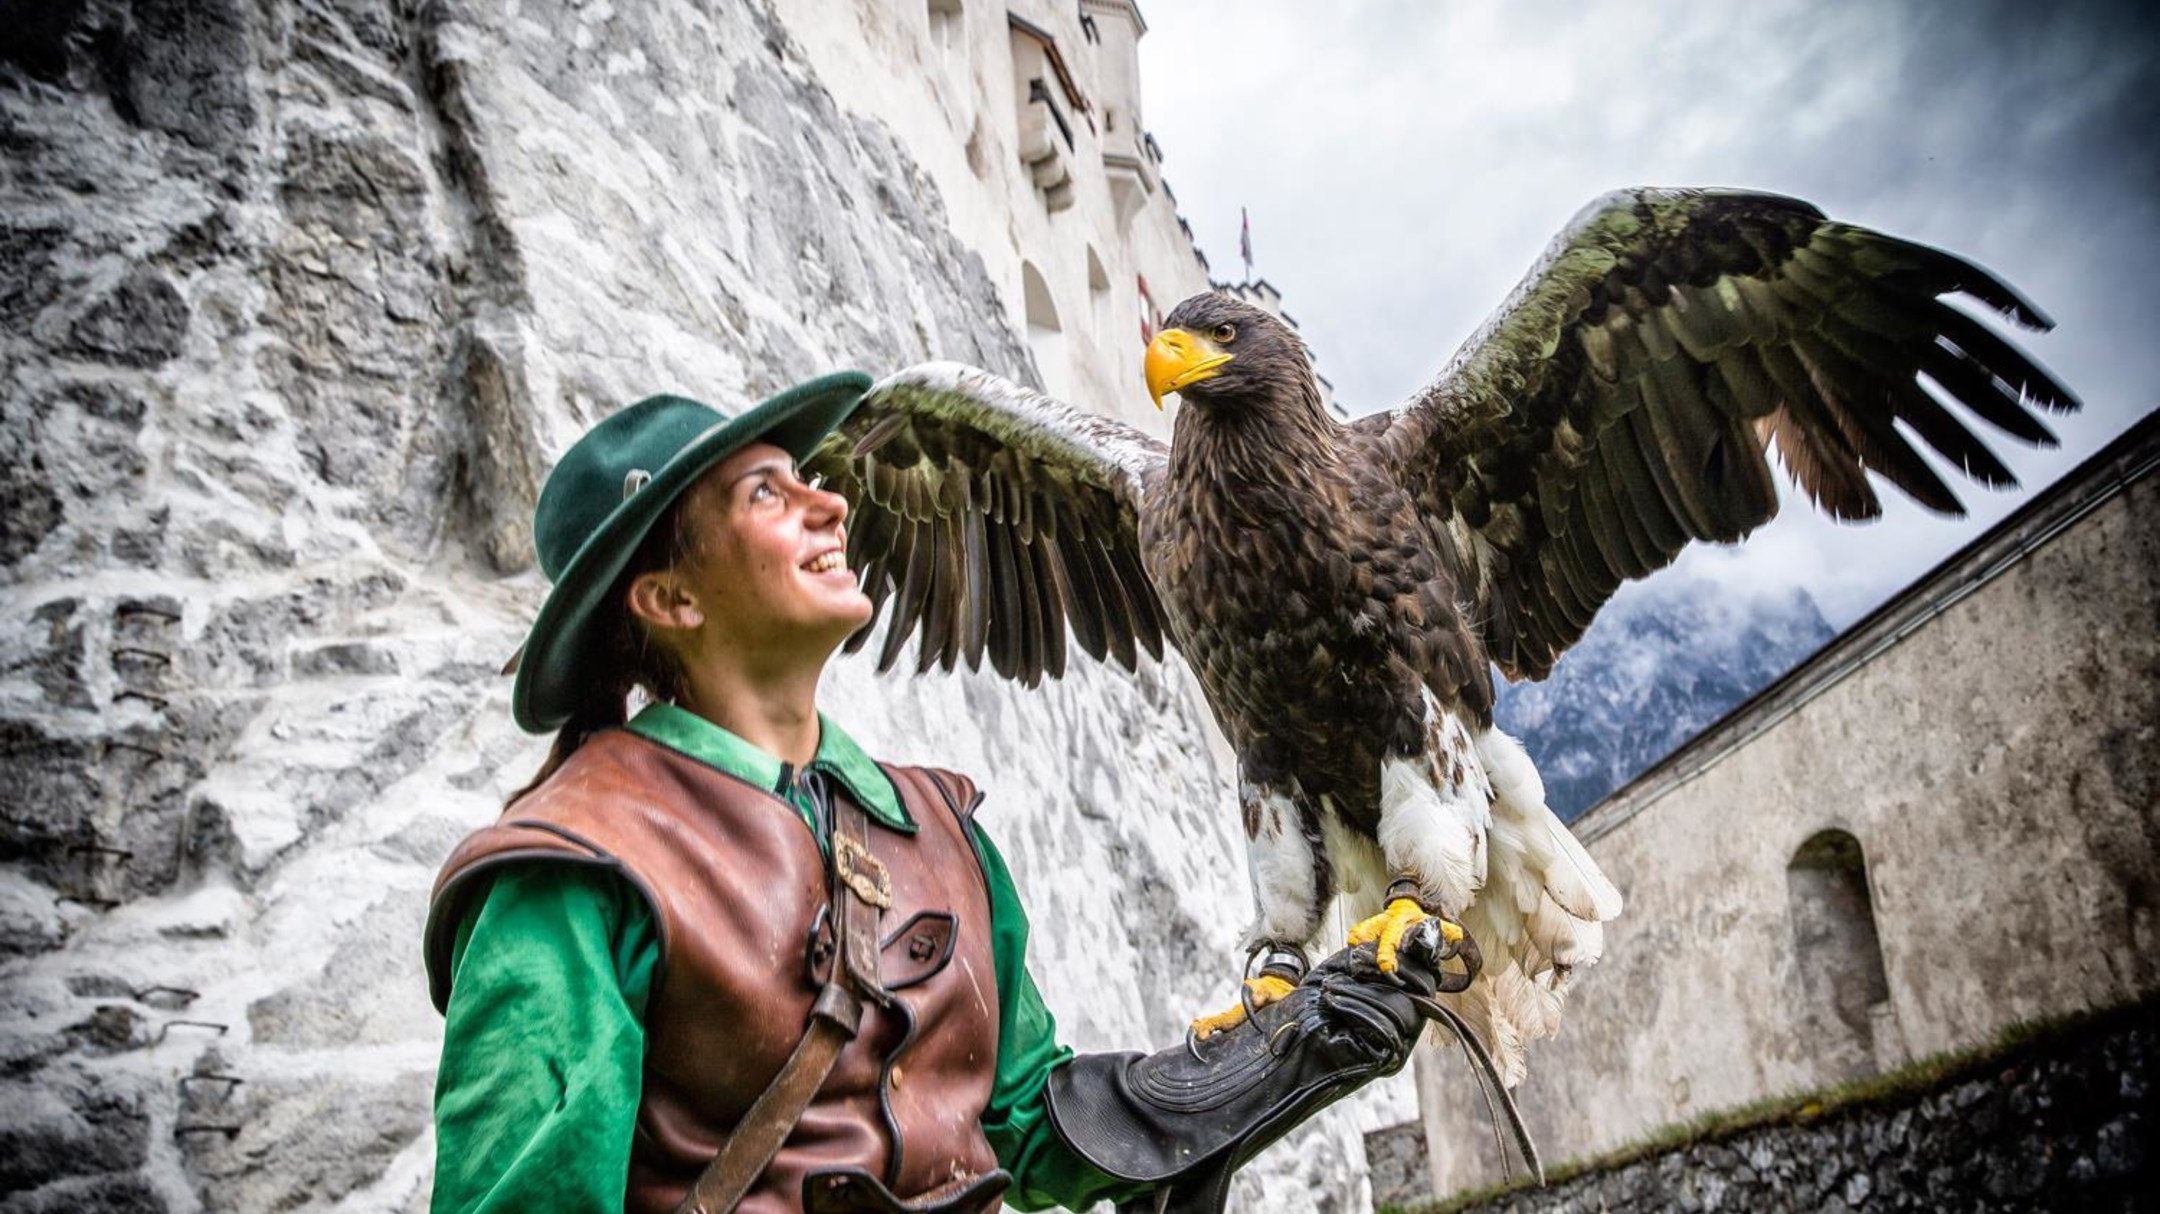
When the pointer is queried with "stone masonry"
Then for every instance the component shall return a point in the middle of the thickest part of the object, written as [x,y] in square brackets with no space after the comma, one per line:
[2066,1128]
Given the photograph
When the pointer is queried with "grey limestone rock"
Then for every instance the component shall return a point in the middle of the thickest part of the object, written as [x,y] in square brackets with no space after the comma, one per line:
[182,69]
[141,322]
[66,1122]
[302,1141]
[112,1193]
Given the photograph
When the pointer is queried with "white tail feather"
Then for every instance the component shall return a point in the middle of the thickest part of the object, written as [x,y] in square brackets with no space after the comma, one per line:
[1567,871]
[1485,847]
[1539,917]
[1562,939]
[1532,1005]
[1592,894]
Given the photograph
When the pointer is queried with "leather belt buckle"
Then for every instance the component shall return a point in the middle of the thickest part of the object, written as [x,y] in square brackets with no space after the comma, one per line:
[861,872]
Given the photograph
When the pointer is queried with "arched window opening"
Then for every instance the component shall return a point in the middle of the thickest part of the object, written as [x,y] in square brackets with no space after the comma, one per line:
[946,26]
[949,55]
[1845,993]
[1046,337]
[1098,294]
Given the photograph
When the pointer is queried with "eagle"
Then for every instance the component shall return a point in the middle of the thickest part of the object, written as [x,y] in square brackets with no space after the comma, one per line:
[1345,590]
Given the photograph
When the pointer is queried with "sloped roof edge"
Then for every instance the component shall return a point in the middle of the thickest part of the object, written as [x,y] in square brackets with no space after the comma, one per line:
[2130,458]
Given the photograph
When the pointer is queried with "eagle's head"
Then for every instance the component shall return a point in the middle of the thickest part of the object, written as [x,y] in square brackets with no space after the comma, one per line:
[1216,348]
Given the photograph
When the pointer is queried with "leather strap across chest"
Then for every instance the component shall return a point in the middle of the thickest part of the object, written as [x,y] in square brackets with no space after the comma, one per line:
[861,891]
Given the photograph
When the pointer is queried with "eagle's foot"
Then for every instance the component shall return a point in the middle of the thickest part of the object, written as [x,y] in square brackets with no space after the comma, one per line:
[1257,993]
[1385,931]
[1276,969]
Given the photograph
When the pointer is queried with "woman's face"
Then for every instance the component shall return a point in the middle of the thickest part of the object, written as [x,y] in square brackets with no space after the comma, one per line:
[766,559]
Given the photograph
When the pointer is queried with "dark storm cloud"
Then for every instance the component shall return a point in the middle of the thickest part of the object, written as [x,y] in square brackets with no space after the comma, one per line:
[1404,164]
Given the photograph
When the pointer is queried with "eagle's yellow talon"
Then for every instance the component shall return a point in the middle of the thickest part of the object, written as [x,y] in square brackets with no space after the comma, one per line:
[1259,992]
[1387,929]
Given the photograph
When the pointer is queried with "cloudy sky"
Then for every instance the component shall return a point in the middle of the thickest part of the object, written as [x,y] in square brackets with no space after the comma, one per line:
[1404,164]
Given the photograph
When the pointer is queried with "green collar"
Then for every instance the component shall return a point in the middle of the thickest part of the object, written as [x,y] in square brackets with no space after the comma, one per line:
[837,756]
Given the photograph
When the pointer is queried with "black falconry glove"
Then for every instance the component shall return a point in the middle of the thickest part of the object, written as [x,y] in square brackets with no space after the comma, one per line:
[1185,1119]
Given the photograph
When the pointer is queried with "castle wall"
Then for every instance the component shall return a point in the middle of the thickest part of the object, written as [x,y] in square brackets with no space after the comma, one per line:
[956,100]
[1994,747]
[2056,1126]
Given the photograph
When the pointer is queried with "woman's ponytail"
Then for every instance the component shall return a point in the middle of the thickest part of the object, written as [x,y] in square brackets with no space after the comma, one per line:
[605,713]
[629,657]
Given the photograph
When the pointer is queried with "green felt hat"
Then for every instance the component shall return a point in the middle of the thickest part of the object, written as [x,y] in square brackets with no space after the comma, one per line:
[607,492]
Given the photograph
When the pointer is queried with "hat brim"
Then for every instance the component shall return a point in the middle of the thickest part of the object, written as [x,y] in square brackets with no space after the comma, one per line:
[555,666]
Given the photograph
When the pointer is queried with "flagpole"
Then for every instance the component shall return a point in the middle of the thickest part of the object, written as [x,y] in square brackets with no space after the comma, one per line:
[1245,242]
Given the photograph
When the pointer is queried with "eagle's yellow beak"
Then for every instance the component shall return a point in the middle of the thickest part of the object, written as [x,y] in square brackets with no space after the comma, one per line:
[1176,359]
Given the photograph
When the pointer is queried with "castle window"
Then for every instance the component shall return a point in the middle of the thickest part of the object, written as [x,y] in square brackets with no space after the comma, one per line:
[1051,107]
[948,77]
[1098,293]
[945,25]
[1844,991]
[1046,337]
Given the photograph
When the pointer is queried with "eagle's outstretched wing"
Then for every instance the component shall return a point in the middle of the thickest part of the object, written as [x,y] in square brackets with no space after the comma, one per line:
[1619,404]
[990,516]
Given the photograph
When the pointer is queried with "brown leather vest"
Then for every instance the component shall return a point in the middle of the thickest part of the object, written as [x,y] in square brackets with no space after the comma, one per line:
[737,881]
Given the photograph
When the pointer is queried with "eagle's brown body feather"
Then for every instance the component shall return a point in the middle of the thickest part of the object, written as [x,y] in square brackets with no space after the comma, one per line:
[1292,566]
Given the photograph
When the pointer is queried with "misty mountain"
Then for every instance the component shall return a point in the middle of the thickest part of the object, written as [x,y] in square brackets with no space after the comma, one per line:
[1664,659]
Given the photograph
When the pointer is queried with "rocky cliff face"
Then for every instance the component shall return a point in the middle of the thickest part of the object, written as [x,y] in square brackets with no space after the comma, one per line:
[1665,659]
[300,300]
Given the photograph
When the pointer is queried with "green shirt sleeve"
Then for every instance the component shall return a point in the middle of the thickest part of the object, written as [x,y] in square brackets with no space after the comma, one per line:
[543,1044]
[1045,1172]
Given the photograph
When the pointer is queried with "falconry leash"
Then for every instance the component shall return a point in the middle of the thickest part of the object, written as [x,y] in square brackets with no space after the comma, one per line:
[1426,936]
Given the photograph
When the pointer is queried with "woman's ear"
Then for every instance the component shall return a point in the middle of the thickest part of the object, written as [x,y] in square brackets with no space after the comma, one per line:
[660,600]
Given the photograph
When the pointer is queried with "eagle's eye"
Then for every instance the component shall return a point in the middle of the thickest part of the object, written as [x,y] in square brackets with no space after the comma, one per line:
[1225,333]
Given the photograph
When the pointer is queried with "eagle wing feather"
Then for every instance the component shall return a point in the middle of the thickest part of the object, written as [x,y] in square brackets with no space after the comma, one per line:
[1624,399]
[989,517]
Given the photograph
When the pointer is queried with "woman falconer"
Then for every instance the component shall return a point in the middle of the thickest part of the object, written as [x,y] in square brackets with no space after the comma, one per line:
[715,957]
